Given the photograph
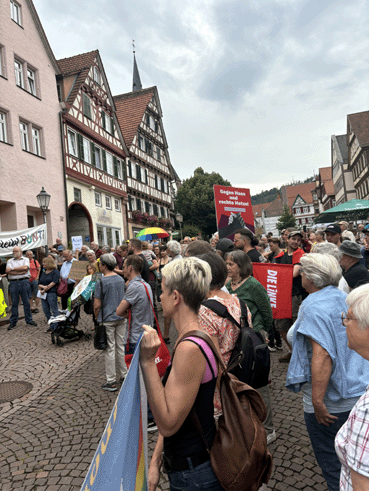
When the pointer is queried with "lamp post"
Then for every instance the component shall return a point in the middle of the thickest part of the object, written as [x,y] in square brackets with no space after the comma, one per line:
[179,219]
[43,199]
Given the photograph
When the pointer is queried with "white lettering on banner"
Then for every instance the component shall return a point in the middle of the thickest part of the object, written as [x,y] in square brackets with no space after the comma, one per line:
[272,287]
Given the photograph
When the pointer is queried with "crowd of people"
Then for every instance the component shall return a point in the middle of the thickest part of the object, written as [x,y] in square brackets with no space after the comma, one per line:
[325,342]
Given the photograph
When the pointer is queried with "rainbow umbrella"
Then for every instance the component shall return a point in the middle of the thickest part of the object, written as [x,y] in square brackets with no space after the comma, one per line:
[152,233]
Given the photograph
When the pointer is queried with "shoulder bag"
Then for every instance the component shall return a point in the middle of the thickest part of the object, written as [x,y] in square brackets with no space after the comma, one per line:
[100,338]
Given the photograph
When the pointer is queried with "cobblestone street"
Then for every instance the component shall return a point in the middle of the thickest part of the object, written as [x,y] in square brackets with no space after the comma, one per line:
[49,436]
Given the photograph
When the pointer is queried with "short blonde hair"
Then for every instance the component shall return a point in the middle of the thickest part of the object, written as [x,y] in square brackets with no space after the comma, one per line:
[191,277]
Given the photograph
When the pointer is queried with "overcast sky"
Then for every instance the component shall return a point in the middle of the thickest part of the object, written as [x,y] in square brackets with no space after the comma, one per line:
[252,89]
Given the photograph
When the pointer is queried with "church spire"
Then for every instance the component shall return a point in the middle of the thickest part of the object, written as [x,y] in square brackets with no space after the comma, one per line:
[136,76]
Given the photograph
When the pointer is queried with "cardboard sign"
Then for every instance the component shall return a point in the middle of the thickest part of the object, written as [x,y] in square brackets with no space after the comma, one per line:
[277,280]
[233,209]
[78,270]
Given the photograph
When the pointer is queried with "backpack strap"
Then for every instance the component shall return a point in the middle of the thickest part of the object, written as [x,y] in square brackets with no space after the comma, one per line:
[221,310]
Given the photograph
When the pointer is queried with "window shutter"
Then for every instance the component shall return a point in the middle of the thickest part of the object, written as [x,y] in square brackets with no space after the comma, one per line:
[138,173]
[146,179]
[129,203]
[80,146]
[156,181]
[112,126]
[115,166]
[129,168]
[104,161]
[103,120]
[124,170]
[93,161]
[86,106]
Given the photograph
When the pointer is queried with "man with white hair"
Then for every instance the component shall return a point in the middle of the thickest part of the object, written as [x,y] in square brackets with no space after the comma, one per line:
[83,253]
[18,273]
[346,234]
[96,248]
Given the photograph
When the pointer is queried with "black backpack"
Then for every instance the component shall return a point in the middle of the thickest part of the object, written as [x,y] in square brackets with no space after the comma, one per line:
[250,358]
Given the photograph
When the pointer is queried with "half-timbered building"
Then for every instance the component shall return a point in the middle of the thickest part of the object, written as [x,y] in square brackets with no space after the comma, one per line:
[94,152]
[358,152]
[151,178]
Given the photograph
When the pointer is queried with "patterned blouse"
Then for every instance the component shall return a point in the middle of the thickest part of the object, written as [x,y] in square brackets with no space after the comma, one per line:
[352,443]
[226,332]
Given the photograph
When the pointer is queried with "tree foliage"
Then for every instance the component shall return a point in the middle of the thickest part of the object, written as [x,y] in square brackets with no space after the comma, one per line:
[195,200]
[286,219]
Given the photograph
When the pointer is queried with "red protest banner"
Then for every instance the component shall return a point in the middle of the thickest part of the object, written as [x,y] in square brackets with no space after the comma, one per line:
[233,209]
[277,280]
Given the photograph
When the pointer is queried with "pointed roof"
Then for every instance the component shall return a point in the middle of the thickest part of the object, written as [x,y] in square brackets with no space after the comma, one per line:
[42,34]
[325,173]
[304,190]
[341,141]
[359,123]
[136,85]
[130,109]
[78,65]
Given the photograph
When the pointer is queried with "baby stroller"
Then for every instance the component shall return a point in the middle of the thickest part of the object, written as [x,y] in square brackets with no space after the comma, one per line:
[65,326]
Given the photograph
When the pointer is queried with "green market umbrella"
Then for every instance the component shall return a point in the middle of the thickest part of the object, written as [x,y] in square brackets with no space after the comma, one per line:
[355,209]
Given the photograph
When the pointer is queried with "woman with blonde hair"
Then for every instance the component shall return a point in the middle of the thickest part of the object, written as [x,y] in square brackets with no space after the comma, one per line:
[188,383]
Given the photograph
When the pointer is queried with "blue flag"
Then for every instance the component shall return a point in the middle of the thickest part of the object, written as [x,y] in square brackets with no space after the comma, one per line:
[120,461]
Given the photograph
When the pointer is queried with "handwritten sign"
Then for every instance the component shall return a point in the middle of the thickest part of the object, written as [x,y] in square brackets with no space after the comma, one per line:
[78,270]
[77,242]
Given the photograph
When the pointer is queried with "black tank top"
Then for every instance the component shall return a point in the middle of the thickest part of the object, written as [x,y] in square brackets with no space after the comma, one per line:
[187,442]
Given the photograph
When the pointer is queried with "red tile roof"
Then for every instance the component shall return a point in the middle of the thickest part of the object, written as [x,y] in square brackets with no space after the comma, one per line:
[360,126]
[78,65]
[325,173]
[257,209]
[329,187]
[130,109]
[304,190]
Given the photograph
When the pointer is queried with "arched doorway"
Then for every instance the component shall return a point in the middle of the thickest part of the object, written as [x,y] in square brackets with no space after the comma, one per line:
[80,223]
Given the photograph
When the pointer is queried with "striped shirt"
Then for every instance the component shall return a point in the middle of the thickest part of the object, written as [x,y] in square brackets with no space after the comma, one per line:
[352,443]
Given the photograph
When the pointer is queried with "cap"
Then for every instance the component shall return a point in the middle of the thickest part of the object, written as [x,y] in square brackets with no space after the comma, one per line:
[295,232]
[350,249]
[343,223]
[224,245]
[334,228]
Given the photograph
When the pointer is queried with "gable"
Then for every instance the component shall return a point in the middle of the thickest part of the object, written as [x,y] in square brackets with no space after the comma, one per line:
[299,201]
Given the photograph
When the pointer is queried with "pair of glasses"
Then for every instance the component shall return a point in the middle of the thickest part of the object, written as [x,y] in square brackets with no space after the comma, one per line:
[344,318]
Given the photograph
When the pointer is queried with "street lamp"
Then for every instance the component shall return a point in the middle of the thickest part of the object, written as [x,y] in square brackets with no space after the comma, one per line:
[179,219]
[43,199]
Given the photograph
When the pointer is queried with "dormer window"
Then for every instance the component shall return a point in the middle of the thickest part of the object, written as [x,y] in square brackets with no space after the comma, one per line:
[97,76]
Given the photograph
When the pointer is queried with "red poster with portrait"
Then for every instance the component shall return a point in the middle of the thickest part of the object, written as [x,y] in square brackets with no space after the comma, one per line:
[233,210]
[277,280]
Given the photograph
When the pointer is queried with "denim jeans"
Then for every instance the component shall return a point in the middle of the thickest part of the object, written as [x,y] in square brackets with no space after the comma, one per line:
[21,288]
[50,305]
[199,477]
[322,440]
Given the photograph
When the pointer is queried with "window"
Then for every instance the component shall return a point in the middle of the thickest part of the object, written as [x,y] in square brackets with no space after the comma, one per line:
[31,81]
[138,173]
[147,207]
[117,168]
[24,136]
[72,143]
[107,122]
[108,202]
[129,165]
[109,163]
[162,211]
[146,176]
[306,209]
[156,126]
[86,151]
[77,195]
[148,119]
[138,204]
[97,76]
[86,106]
[140,142]
[3,127]
[117,204]
[156,182]
[36,141]
[97,198]
[15,12]
[162,182]
[158,154]
[18,66]
[98,161]
[155,209]
[129,203]
[2,61]
[148,147]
